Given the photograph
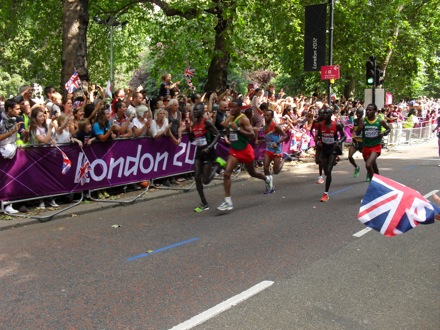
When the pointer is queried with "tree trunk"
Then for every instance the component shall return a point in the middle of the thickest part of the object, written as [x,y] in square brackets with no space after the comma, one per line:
[74,47]
[349,87]
[218,69]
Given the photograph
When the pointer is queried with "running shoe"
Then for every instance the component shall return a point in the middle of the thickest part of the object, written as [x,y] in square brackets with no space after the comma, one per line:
[10,210]
[320,180]
[41,206]
[356,172]
[53,203]
[202,207]
[270,191]
[325,197]
[221,161]
[106,195]
[101,195]
[269,184]
[367,178]
[225,206]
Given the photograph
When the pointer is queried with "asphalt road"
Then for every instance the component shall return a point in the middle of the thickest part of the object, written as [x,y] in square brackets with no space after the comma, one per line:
[165,264]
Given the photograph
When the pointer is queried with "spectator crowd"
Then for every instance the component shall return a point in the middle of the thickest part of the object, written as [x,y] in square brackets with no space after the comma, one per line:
[86,117]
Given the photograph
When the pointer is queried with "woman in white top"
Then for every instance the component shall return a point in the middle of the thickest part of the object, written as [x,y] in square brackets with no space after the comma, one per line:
[40,132]
[63,132]
[160,126]
[142,122]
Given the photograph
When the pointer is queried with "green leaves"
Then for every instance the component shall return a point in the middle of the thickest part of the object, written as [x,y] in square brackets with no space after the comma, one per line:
[253,34]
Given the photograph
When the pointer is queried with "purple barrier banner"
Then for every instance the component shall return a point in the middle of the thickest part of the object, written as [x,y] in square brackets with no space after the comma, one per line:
[37,171]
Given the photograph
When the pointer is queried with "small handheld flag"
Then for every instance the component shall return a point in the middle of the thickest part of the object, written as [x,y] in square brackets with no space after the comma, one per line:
[393,208]
[189,72]
[73,83]
[83,175]
[67,164]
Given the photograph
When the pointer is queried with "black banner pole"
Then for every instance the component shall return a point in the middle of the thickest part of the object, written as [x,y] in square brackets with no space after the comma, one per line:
[330,48]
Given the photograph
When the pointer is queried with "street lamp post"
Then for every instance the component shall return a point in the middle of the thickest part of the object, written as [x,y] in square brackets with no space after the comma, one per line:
[112,22]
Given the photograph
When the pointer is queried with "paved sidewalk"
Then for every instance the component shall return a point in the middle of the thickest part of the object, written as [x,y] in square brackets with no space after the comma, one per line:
[87,206]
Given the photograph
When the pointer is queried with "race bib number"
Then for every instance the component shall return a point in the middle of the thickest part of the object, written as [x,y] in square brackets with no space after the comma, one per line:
[201,141]
[233,136]
[371,132]
[328,139]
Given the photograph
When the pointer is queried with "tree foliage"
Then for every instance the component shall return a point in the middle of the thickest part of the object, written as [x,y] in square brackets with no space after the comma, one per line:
[225,40]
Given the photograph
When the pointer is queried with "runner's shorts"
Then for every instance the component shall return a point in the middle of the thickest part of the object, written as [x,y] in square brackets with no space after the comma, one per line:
[245,155]
[271,154]
[357,145]
[366,151]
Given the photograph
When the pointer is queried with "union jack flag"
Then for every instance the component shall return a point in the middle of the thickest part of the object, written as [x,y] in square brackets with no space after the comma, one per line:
[189,72]
[67,164]
[190,84]
[83,173]
[393,208]
[73,83]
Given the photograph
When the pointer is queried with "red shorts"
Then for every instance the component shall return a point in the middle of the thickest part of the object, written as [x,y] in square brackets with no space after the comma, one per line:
[271,154]
[245,155]
[366,151]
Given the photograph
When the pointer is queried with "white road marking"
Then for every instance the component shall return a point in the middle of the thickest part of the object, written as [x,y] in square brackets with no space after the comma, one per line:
[366,230]
[362,232]
[431,193]
[225,305]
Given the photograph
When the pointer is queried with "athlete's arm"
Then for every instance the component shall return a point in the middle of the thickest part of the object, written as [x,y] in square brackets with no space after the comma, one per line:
[281,132]
[210,126]
[341,133]
[384,124]
[246,128]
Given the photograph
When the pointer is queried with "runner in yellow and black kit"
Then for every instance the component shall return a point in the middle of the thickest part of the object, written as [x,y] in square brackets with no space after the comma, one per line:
[240,131]
[356,144]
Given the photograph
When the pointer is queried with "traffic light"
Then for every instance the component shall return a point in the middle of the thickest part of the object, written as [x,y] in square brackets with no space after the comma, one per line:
[371,67]
[379,76]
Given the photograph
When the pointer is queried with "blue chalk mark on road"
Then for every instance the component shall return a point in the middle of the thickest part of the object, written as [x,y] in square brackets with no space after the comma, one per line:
[339,191]
[409,168]
[163,249]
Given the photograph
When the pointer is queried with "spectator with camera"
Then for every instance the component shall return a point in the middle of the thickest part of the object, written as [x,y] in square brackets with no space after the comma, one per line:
[25,93]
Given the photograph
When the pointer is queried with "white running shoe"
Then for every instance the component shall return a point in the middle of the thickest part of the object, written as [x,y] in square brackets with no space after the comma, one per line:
[10,210]
[269,184]
[52,203]
[42,206]
[225,206]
